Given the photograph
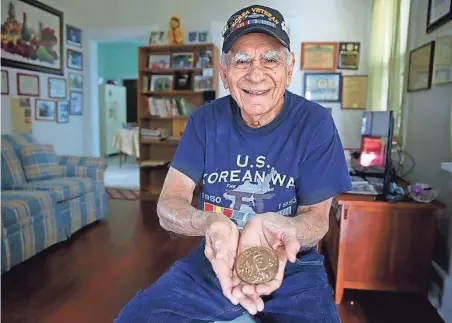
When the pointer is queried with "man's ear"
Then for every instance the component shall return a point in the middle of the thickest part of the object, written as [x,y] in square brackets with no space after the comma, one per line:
[290,69]
[223,75]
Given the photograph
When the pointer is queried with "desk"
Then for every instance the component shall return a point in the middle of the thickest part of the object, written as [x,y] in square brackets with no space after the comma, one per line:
[376,245]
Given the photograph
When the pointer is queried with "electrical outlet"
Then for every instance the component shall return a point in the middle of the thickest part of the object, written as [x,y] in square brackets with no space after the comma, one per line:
[447,166]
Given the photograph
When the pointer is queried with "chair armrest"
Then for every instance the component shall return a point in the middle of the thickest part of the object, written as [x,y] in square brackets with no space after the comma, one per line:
[91,171]
[82,161]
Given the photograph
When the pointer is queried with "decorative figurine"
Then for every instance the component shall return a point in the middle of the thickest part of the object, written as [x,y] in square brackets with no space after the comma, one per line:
[175,33]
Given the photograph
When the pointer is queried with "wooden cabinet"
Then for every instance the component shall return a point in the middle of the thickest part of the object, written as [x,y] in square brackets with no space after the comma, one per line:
[374,245]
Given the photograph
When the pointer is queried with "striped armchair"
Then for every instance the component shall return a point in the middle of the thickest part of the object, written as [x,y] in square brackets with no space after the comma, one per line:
[45,198]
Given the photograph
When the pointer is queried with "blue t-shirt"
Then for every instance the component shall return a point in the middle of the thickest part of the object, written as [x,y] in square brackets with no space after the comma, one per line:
[296,159]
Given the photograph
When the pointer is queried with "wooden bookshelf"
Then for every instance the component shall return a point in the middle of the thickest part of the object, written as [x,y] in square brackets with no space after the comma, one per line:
[168,108]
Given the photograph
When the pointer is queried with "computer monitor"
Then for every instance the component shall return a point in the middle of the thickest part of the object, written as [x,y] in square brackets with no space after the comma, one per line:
[377,132]
[373,152]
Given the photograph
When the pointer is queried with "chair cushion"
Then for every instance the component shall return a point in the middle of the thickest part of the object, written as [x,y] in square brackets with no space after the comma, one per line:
[12,171]
[40,162]
[19,207]
[64,187]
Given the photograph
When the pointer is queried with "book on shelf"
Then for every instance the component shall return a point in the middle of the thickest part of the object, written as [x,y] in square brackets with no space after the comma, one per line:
[168,108]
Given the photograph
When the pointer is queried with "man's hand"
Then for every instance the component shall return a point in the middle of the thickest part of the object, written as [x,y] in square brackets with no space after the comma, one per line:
[273,231]
[222,237]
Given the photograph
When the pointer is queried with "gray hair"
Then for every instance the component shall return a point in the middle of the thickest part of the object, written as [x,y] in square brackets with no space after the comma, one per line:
[225,63]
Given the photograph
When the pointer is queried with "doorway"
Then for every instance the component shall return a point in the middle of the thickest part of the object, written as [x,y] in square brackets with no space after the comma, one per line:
[131,102]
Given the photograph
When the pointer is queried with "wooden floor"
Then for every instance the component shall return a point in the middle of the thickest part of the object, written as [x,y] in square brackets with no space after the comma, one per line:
[91,277]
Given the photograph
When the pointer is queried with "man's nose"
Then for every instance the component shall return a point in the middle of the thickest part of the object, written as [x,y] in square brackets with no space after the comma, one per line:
[256,73]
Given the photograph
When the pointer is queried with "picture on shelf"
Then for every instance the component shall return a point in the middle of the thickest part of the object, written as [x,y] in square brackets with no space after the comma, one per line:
[204,59]
[161,82]
[203,83]
[44,110]
[63,111]
[74,59]
[182,60]
[157,38]
[182,81]
[159,61]
[202,36]
[192,36]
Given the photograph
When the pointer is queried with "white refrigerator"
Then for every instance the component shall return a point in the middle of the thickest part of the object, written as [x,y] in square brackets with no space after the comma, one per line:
[113,106]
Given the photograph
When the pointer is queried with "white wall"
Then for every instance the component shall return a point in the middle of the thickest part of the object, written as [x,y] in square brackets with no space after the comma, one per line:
[428,123]
[320,20]
[68,138]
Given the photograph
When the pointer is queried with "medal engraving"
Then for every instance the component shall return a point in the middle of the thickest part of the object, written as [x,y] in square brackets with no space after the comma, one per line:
[257,265]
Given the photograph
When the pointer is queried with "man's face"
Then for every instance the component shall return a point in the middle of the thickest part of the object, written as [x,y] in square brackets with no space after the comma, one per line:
[257,74]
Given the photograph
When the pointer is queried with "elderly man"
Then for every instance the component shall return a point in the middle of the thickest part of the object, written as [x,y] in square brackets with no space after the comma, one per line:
[270,162]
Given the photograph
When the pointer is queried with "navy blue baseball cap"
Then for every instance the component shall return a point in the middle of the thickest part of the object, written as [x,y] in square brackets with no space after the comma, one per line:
[255,19]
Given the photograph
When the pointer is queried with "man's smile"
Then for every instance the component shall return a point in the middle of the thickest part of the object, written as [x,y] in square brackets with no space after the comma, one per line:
[255,92]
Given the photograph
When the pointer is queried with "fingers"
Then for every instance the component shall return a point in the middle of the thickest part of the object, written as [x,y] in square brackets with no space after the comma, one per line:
[224,275]
[252,303]
[292,247]
[268,288]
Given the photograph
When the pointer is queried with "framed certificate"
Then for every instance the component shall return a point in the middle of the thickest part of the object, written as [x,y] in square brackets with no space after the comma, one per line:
[439,12]
[27,84]
[442,63]
[319,56]
[420,68]
[354,91]
[322,87]
[57,88]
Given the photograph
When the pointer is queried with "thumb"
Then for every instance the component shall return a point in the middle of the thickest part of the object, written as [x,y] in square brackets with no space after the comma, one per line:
[292,246]
[219,247]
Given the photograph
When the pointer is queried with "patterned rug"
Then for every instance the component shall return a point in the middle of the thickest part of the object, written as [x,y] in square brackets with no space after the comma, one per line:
[122,193]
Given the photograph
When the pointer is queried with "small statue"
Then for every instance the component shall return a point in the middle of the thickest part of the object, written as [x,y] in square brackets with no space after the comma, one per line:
[175,33]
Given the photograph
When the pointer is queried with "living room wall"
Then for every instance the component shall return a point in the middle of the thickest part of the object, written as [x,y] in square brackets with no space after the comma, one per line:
[428,142]
[67,138]
[322,20]
[110,53]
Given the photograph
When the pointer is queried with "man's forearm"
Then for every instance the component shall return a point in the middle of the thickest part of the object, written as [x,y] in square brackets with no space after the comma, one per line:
[178,216]
[312,223]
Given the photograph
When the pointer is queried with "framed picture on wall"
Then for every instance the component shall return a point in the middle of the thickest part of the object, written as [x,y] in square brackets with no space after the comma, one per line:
[439,12]
[349,56]
[45,110]
[57,88]
[75,103]
[420,67]
[319,56]
[442,62]
[27,84]
[73,36]
[32,36]
[62,114]
[75,82]
[5,82]
[354,92]
[322,87]
[74,59]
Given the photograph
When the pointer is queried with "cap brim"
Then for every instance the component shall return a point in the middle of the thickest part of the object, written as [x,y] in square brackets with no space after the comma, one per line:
[231,39]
